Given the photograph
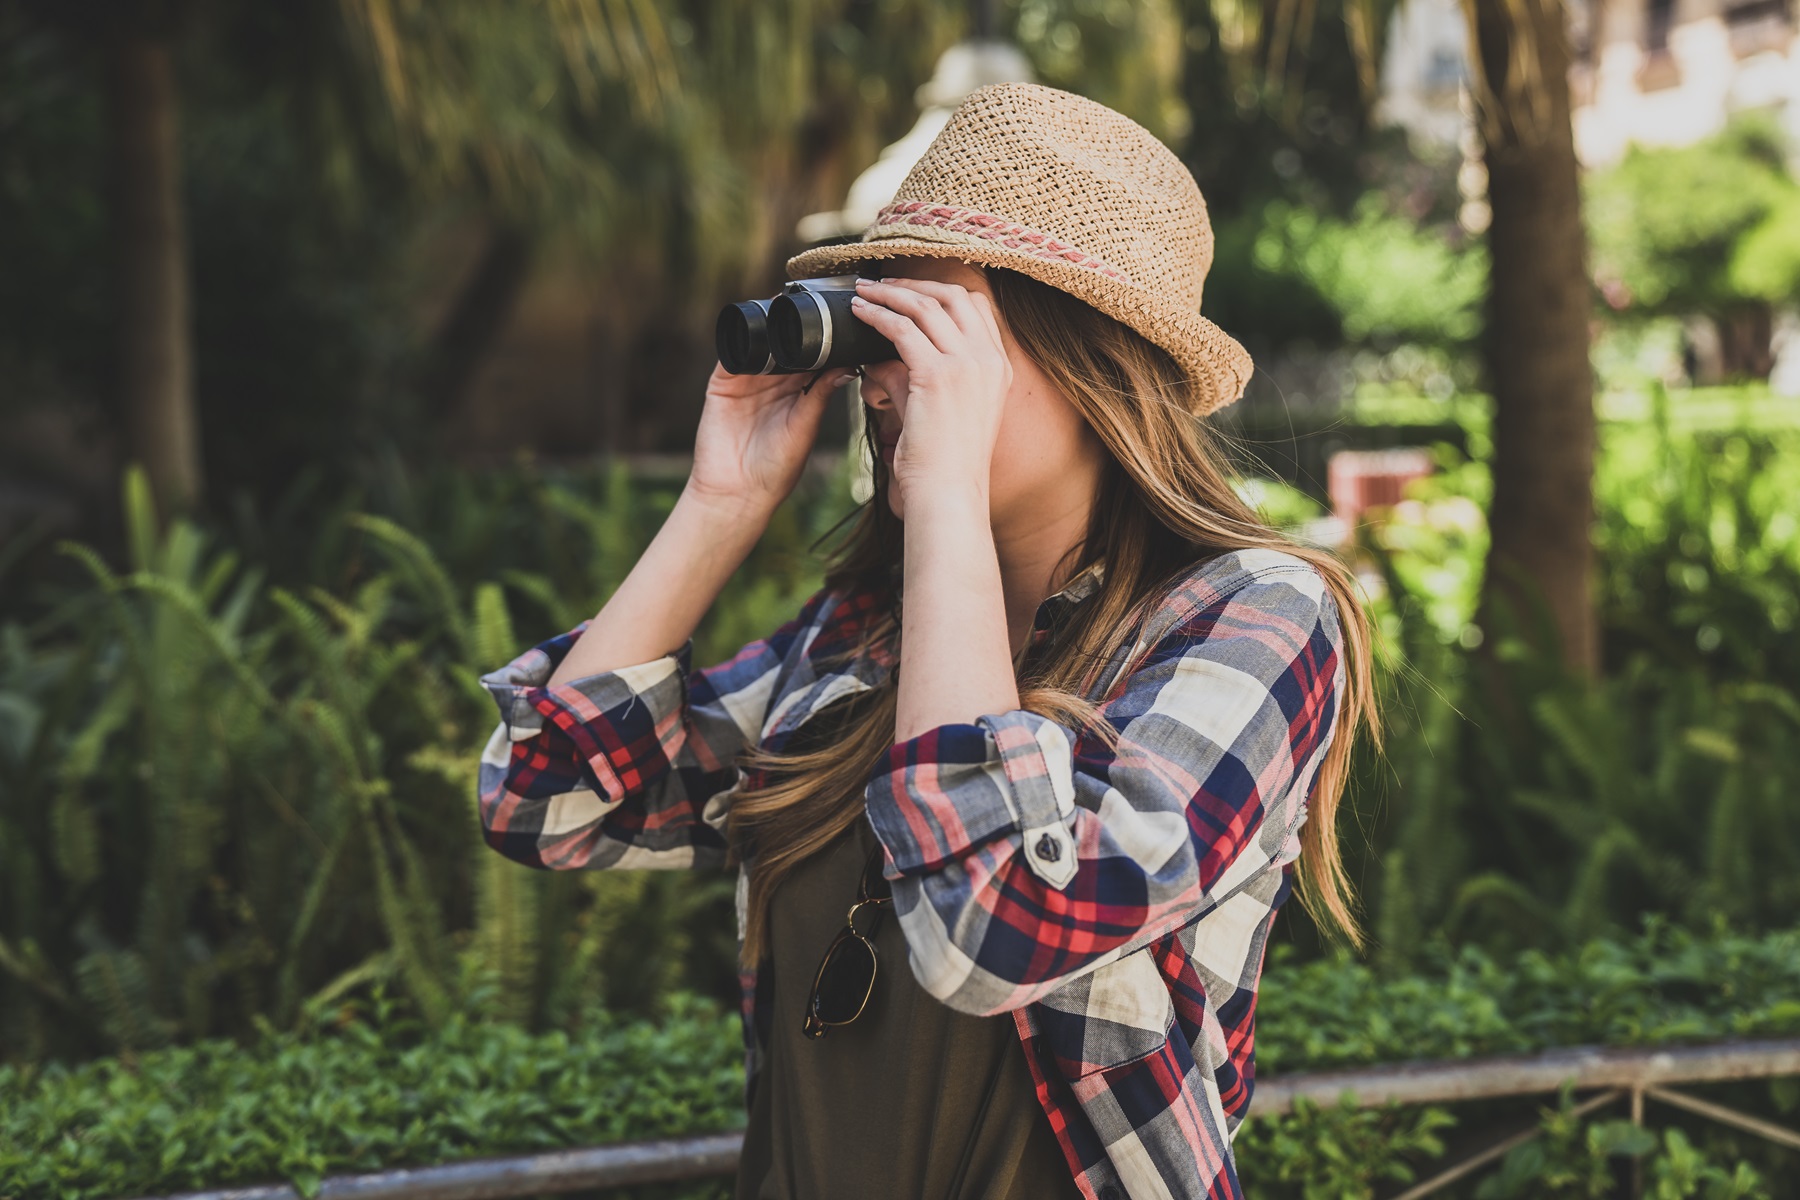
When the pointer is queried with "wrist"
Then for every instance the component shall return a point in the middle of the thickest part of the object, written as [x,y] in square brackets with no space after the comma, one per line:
[727,508]
[957,498]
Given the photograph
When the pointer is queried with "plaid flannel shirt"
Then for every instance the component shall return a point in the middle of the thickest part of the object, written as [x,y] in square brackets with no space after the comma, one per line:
[1116,902]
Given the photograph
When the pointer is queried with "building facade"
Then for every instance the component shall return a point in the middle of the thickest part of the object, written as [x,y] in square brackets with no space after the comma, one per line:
[1654,72]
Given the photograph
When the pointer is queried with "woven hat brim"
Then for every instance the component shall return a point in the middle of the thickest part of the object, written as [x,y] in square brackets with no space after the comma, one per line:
[1219,366]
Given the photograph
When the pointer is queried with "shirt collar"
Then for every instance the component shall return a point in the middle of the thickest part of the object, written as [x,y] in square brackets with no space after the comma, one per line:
[1085,582]
[1078,588]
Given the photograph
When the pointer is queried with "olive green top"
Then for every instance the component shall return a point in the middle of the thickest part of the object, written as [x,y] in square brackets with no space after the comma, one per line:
[913,1100]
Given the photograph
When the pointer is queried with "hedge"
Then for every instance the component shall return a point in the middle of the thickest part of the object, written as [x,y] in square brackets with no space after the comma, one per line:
[375,1088]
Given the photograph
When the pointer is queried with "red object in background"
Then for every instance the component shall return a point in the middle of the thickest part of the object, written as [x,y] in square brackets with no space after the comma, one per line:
[1363,479]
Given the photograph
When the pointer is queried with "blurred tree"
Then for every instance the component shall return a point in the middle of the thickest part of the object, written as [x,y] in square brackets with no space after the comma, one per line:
[1541,558]
[132,41]
[670,143]
[488,128]
[1279,95]
[1281,99]
[150,230]
[1765,263]
[1697,230]
[1387,280]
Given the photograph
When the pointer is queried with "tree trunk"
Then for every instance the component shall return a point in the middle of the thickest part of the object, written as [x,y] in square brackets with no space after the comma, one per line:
[155,334]
[475,321]
[1747,342]
[1537,335]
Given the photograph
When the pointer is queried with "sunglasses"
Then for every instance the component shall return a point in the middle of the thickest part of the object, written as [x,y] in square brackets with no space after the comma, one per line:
[846,977]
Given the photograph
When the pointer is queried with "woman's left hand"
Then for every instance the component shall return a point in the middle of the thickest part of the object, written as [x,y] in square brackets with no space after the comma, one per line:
[958,375]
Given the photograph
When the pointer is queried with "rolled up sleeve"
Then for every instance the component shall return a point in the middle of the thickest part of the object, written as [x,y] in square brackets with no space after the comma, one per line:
[1024,853]
[624,768]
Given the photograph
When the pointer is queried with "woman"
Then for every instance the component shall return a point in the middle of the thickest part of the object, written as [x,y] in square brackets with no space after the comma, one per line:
[1064,787]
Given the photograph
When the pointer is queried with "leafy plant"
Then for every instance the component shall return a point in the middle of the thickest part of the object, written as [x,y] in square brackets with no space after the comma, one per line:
[362,1082]
[1517,805]
[367,1087]
[260,794]
[1340,1152]
[1386,279]
[120,801]
[1576,1159]
[1667,223]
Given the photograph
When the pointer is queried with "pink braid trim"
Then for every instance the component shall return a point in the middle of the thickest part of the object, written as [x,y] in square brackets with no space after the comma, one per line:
[1010,234]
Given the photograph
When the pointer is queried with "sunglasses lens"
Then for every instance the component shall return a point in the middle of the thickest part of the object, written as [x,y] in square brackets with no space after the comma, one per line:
[845,980]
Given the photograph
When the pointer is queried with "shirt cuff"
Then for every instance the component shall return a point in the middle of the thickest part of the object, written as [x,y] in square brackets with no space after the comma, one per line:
[955,787]
[605,718]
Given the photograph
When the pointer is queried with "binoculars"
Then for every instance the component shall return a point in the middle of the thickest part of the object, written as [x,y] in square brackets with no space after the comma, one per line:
[807,326]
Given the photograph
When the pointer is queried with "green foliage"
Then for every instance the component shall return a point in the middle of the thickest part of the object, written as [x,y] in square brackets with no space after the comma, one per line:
[1684,1172]
[1672,228]
[364,1084]
[1766,262]
[1386,279]
[1280,504]
[259,792]
[221,798]
[1337,1153]
[1700,548]
[1127,55]
[1571,1158]
[363,1091]
[1575,1159]
[1518,805]
[1663,985]
[132,741]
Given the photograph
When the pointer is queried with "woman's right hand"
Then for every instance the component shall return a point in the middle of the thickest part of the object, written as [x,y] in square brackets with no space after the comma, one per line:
[755,433]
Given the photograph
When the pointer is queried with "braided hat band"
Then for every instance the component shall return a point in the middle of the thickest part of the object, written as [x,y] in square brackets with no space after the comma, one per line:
[1066,190]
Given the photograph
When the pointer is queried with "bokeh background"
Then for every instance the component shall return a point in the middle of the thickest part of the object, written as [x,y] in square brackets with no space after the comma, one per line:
[348,348]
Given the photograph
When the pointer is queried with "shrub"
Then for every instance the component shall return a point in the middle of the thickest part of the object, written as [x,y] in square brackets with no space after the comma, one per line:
[220,797]
[362,1085]
[1518,805]
[1386,279]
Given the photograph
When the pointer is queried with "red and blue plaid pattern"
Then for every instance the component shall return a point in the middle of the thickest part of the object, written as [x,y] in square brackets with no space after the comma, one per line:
[1115,900]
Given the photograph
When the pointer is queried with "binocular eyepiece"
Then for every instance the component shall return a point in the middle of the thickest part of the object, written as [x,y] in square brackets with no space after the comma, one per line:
[807,326]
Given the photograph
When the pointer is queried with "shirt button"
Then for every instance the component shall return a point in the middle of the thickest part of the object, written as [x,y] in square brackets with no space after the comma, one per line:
[1049,849]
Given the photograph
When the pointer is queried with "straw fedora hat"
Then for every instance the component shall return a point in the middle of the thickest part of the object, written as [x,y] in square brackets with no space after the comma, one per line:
[1069,192]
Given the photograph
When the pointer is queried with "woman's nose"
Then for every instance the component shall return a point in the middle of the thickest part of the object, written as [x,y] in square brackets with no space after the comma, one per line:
[877,385]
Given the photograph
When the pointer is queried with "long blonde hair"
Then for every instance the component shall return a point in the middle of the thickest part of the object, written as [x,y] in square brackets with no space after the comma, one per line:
[1165,502]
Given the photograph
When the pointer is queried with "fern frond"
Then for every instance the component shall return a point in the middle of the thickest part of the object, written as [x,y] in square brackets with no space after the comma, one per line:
[117,988]
[140,517]
[537,588]
[201,622]
[492,628]
[427,573]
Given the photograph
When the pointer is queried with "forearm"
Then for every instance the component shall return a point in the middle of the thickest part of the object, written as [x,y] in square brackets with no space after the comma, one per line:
[955,652]
[671,587]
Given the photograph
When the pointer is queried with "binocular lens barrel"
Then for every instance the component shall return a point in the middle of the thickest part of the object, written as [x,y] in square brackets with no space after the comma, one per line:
[742,334]
[814,329]
[809,326]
